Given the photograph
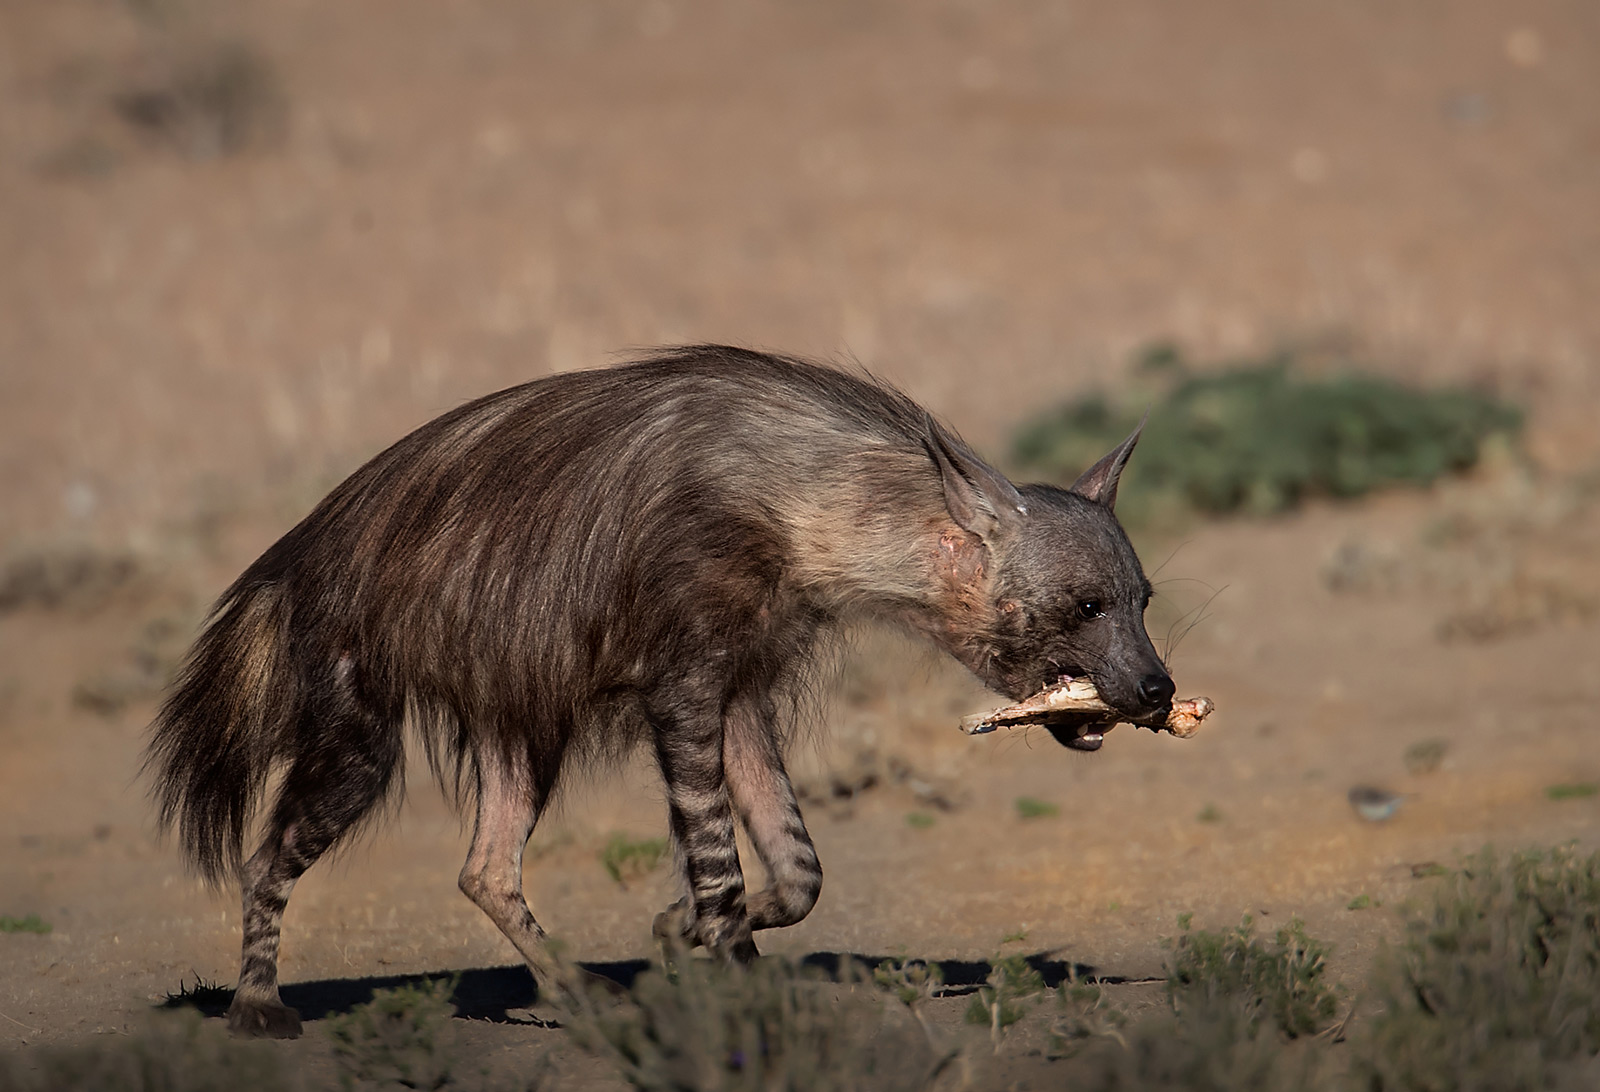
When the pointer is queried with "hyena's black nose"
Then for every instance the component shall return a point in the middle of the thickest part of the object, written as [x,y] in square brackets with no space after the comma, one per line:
[1156,690]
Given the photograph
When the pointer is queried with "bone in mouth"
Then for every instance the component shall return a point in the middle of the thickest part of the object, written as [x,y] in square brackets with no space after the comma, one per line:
[1076,702]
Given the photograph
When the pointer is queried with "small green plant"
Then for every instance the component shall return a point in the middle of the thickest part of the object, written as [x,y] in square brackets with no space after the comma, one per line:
[1029,807]
[1425,757]
[402,1038]
[1084,1014]
[1577,790]
[1362,902]
[1005,997]
[1209,814]
[912,982]
[1280,983]
[1495,982]
[919,820]
[626,858]
[1259,436]
[1016,936]
[32,923]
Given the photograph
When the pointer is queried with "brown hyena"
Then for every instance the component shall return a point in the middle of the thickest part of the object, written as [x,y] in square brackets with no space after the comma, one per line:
[652,553]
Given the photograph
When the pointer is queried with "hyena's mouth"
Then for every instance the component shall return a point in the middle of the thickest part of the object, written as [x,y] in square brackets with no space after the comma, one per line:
[1080,737]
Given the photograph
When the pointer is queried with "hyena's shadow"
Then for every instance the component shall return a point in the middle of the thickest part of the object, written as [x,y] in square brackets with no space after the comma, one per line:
[494,994]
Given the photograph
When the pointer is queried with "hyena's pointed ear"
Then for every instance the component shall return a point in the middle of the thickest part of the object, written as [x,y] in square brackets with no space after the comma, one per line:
[978,496]
[1099,482]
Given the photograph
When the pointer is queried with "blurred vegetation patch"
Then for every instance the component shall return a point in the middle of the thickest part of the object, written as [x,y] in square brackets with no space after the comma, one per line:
[153,659]
[32,923]
[1574,790]
[1084,1014]
[208,101]
[770,1026]
[1006,996]
[1211,1047]
[1495,983]
[1281,983]
[402,1038]
[1260,435]
[626,858]
[1029,807]
[65,576]
[175,1052]
[1425,756]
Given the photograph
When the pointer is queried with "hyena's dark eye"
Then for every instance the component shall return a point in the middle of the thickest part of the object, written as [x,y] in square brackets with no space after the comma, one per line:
[1089,608]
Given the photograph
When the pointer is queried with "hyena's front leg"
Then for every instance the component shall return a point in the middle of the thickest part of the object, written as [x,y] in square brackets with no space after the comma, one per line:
[689,748]
[764,799]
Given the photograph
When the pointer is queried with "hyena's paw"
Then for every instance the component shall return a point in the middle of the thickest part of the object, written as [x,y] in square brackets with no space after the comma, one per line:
[676,924]
[263,1020]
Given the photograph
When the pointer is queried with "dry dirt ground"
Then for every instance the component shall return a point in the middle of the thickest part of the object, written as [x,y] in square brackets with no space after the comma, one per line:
[243,252]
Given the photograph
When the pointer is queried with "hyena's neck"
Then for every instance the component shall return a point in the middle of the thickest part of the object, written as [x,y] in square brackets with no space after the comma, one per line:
[927,575]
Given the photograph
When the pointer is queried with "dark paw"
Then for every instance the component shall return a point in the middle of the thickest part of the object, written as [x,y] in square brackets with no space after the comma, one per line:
[263,1020]
[676,923]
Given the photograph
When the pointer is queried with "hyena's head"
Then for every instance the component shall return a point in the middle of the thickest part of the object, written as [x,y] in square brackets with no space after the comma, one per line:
[1041,582]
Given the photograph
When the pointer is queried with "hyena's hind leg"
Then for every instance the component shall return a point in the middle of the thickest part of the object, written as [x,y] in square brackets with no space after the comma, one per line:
[689,743]
[509,800]
[764,799]
[322,797]
[771,816]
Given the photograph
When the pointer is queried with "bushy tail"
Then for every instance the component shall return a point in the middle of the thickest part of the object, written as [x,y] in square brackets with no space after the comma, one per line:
[230,713]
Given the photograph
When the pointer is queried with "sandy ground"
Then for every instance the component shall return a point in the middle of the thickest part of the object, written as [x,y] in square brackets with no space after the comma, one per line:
[992,209]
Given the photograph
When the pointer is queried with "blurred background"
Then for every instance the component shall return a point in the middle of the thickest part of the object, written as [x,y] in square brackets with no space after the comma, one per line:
[1349,252]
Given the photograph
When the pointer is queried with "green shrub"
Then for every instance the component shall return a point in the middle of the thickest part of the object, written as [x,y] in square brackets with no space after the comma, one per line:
[1280,984]
[711,1028]
[1495,984]
[1256,436]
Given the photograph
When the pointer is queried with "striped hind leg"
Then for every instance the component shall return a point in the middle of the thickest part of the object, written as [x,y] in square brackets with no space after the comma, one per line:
[320,800]
[767,806]
[760,791]
[689,746]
